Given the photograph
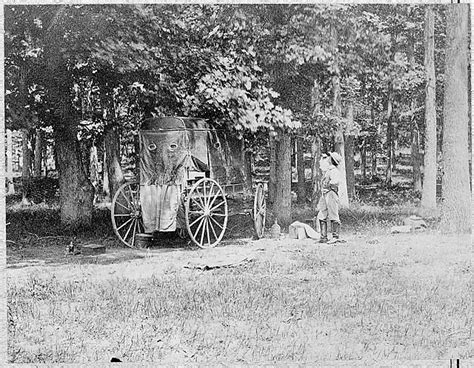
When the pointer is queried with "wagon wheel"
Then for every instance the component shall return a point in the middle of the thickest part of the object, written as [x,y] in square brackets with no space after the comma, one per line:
[259,211]
[126,213]
[206,213]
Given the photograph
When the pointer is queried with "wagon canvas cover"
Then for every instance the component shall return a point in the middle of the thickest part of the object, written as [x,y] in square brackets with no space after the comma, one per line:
[169,149]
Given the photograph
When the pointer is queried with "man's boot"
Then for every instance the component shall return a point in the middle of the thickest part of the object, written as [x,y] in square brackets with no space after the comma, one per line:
[335,229]
[324,231]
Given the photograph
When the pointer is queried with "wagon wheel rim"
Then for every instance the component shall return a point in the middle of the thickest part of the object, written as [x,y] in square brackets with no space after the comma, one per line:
[206,213]
[126,213]
[259,211]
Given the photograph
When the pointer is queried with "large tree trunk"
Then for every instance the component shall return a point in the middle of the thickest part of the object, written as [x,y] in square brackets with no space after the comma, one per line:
[349,152]
[112,159]
[272,175]
[337,110]
[9,162]
[282,198]
[38,153]
[416,157]
[388,170]
[363,159]
[456,209]
[94,171]
[26,165]
[76,192]
[105,179]
[428,198]
[300,169]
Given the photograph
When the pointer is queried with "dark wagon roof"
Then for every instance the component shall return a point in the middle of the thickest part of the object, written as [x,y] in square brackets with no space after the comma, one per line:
[174,124]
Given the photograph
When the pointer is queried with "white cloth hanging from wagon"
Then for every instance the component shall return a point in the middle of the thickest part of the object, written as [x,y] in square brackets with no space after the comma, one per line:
[160,204]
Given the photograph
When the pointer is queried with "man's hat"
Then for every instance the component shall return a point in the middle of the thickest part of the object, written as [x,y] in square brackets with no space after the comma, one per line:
[336,157]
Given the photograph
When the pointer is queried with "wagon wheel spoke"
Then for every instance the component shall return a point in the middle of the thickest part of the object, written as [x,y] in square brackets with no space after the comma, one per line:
[217,206]
[134,232]
[214,199]
[208,197]
[207,232]
[125,223]
[198,228]
[200,204]
[194,222]
[216,222]
[213,230]
[128,200]
[203,231]
[120,204]
[128,231]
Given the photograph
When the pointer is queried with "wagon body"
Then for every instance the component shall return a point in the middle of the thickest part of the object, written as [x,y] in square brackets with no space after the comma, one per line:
[187,169]
[186,147]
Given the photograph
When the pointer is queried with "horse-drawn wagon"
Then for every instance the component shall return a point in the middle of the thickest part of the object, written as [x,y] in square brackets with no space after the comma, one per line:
[188,172]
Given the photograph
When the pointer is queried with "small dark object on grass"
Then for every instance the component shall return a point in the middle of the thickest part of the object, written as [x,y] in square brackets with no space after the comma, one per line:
[115,360]
[90,249]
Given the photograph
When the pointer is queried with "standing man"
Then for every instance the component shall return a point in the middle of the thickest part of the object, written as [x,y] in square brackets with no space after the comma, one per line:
[328,205]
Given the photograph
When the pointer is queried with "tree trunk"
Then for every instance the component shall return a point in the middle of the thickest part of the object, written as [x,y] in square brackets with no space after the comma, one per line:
[247,160]
[337,110]
[9,162]
[282,198]
[105,179]
[416,158]
[428,198]
[94,170]
[76,192]
[388,171]
[363,159]
[373,159]
[38,153]
[272,175]
[26,165]
[300,169]
[316,172]
[349,153]
[456,209]
[315,146]
[415,132]
[112,159]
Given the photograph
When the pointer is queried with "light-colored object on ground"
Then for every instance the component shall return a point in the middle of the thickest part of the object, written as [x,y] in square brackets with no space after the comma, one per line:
[90,249]
[410,224]
[299,230]
[415,222]
[400,229]
[275,230]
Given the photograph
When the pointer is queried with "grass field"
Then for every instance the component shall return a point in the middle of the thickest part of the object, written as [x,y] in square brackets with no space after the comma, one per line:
[377,296]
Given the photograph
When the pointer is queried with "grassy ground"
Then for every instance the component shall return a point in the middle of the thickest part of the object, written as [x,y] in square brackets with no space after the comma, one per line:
[378,296]
[374,297]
